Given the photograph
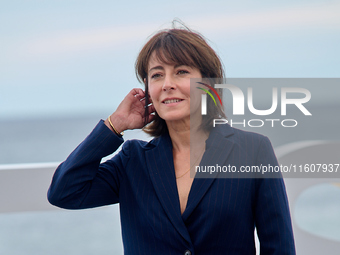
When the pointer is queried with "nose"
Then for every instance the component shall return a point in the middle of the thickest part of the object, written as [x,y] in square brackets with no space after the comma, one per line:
[169,83]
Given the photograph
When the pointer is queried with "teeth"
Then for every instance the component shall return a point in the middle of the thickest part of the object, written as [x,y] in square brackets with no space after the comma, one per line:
[172,101]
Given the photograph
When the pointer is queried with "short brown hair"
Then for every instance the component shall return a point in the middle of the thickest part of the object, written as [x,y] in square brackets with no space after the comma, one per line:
[180,46]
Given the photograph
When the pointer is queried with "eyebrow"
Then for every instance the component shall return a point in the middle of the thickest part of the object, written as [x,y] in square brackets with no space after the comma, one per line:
[156,68]
[162,68]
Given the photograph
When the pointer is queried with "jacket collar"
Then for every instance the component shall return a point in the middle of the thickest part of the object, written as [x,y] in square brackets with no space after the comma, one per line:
[162,173]
[218,148]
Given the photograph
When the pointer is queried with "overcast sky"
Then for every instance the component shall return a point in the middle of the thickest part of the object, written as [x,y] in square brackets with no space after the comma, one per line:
[77,57]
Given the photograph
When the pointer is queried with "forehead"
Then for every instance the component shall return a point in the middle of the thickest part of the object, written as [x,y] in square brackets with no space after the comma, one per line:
[154,60]
[161,58]
[158,58]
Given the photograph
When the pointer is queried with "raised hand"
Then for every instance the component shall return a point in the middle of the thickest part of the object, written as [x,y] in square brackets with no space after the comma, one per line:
[130,112]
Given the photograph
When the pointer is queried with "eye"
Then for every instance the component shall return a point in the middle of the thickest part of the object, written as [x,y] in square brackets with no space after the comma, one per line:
[155,76]
[182,72]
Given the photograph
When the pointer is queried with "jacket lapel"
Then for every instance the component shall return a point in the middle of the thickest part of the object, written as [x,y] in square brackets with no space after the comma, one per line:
[161,168]
[218,148]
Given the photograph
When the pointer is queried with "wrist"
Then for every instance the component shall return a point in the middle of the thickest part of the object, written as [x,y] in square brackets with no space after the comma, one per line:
[115,125]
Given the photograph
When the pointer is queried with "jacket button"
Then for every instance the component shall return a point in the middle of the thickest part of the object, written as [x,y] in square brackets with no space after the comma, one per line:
[187,252]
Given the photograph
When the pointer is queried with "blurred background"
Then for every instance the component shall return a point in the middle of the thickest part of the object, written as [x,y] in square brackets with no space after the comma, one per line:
[64,65]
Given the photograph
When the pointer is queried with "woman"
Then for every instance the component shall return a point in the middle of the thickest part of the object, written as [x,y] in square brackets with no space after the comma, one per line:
[163,210]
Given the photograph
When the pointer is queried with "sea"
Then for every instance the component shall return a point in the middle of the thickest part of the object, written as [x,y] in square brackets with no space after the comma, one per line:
[97,231]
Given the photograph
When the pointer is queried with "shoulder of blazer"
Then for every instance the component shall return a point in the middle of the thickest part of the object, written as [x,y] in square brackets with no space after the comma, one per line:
[235,135]
[148,145]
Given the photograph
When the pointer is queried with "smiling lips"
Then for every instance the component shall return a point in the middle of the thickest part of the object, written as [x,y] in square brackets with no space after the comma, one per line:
[170,101]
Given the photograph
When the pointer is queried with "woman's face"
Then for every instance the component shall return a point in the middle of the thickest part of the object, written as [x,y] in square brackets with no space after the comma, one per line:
[169,89]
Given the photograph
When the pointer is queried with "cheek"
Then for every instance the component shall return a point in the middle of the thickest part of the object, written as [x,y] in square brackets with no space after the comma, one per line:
[196,95]
[195,101]
[189,88]
[153,94]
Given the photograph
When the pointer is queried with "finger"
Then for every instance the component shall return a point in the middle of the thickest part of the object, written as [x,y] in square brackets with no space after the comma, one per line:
[150,118]
[149,100]
[137,91]
[139,97]
[151,108]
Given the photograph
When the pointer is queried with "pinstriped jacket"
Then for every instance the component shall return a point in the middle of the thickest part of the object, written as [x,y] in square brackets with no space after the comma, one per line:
[221,213]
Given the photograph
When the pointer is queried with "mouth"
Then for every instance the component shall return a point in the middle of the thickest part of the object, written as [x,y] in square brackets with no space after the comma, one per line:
[171,101]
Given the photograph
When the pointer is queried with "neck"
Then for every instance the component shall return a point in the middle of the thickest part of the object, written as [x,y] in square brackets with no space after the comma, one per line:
[179,132]
[184,136]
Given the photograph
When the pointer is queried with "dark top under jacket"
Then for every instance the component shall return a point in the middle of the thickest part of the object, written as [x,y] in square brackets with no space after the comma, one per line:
[221,213]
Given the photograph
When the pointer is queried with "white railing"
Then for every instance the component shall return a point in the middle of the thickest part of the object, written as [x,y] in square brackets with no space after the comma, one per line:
[23,187]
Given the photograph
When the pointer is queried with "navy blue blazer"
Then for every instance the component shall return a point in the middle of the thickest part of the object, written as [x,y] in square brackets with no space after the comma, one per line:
[221,213]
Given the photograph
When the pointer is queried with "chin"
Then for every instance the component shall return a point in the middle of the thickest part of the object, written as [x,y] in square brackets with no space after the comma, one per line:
[174,117]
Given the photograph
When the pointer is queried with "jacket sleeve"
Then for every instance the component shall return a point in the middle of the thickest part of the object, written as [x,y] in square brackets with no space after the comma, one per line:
[81,181]
[272,216]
